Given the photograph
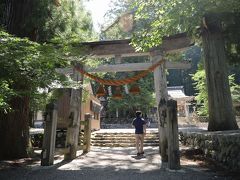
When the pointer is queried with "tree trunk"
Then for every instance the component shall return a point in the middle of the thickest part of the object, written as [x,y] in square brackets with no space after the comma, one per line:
[14,130]
[221,115]
[17,14]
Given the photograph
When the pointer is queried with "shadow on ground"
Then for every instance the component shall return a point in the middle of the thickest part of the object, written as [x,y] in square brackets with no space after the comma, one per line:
[112,164]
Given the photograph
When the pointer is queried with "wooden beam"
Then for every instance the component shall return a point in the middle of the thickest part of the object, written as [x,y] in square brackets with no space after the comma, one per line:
[110,49]
[125,49]
[127,67]
[137,67]
[175,43]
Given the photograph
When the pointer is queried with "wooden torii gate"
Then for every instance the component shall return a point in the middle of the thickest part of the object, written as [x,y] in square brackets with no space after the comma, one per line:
[122,48]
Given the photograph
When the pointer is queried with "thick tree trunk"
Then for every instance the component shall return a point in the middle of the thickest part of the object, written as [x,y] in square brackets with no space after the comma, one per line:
[17,14]
[221,116]
[14,131]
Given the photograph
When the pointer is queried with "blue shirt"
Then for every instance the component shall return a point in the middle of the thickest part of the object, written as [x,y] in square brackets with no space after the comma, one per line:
[138,123]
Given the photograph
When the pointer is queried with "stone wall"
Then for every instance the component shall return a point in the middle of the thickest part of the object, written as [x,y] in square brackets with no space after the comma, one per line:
[222,146]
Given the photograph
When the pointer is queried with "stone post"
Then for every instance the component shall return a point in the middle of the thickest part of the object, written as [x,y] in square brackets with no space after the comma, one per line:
[48,148]
[173,140]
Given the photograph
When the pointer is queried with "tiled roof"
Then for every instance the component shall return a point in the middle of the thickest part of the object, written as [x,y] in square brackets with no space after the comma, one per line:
[177,93]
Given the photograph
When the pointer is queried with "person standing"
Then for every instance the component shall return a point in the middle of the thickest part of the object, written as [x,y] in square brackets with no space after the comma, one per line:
[140,131]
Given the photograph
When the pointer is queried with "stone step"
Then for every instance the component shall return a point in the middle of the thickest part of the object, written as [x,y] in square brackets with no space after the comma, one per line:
[122,139]
[122,144]
[127,136]
[98,133]
[122,135]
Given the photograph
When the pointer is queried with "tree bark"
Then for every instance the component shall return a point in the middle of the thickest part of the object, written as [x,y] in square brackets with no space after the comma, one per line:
[14,131]
[221,115]
[17,14]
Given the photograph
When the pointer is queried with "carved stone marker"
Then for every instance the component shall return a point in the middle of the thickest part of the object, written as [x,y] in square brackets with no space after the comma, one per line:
[173,141]
[48,148]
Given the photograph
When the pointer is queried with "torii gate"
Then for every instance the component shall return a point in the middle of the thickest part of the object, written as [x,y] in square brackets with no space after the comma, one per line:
[122,48]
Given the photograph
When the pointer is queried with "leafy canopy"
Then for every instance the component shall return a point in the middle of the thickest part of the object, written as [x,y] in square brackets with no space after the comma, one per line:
[166,17]
[25,66]
[68,20]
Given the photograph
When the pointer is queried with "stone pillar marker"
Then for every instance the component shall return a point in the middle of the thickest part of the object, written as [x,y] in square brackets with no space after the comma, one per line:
[48,148]
[87,133]
[173,141]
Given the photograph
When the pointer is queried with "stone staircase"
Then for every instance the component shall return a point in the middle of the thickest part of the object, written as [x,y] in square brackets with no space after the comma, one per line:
[122,139]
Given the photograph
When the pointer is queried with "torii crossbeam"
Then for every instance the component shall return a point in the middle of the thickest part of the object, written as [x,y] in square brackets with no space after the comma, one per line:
[125,49]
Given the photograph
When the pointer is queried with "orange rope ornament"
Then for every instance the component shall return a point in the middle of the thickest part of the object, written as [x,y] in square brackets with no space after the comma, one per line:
[120,81]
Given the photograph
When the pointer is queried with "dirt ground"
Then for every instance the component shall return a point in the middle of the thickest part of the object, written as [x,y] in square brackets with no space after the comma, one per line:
[115,164]
[105,163]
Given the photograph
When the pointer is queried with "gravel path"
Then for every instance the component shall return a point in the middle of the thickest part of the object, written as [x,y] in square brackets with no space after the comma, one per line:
[110,164]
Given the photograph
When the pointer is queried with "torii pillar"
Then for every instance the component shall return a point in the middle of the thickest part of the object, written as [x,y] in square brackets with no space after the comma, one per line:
[160,85]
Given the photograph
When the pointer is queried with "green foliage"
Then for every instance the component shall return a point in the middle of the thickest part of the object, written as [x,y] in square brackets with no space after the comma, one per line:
[180,77]
[166,17]
[28,69]
[25,67]
[235,90]
[44,20]
[202,97]
[159,18]
[5,94]
[130,103]
[68,20]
